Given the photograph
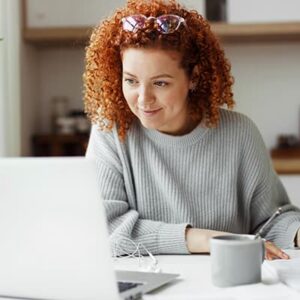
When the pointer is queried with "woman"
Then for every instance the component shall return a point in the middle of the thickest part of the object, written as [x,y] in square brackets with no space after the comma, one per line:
[174,167]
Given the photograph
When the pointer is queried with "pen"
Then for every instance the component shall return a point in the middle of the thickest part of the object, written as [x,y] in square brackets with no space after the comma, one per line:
[276,213]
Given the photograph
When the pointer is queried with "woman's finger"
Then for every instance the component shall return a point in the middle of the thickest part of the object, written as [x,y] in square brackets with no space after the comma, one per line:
[273,252]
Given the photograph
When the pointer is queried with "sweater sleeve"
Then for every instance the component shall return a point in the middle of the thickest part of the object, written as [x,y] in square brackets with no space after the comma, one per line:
[126,228]
[267,193]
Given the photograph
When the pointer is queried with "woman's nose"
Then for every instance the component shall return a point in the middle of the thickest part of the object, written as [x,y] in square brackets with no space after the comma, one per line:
[145,97]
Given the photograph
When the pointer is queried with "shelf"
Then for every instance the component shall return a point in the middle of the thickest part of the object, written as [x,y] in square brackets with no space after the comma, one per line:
[286,160]
[79,36]
[265,32]
[58,36]
[286,165]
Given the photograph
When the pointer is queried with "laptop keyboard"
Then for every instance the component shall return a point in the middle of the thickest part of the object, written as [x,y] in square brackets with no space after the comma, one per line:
[124,286]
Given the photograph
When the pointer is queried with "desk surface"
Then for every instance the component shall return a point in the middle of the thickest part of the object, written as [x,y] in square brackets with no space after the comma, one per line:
[195,281]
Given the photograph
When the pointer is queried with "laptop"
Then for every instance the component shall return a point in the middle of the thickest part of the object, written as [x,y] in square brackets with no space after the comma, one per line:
[53,234]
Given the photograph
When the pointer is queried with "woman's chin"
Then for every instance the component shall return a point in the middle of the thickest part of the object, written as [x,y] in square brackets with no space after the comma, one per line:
[149,125]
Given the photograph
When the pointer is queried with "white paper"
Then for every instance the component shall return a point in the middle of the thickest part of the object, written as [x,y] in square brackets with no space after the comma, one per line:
[287,270]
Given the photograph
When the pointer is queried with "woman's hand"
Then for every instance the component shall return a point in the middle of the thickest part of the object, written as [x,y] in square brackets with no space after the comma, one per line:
[197,240]
[272,252]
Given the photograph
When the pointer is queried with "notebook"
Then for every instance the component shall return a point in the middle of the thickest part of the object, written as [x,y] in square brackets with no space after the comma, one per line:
[53,234]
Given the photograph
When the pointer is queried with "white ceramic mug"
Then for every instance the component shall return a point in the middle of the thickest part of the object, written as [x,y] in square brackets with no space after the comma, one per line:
[236,259]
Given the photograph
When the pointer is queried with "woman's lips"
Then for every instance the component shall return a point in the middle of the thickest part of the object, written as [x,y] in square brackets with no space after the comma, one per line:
[150,113]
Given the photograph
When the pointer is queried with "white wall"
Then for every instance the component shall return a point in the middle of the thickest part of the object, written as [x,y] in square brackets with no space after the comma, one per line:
[199,5]
[263,11]
[2,83]
[10,136]
[45,13]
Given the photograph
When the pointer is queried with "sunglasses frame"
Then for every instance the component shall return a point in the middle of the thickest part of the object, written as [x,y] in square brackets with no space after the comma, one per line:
[139,26]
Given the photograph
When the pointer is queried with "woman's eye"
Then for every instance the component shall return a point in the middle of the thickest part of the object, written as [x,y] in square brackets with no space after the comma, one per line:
[161,83]
[130,81]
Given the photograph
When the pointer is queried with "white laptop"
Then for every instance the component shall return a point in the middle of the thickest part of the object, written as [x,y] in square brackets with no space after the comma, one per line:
[53,234]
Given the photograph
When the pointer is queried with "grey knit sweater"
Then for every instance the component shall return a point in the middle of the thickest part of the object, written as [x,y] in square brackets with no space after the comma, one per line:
[221,178]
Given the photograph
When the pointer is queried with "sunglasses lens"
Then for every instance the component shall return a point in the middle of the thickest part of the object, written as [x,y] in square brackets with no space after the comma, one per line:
[133,23]
[168,23]
[165,23]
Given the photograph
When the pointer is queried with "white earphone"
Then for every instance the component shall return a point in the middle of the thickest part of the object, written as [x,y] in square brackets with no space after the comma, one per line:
[153,267]
[119,251]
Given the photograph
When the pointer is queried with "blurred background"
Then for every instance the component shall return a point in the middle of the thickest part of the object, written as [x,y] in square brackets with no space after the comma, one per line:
[42,44]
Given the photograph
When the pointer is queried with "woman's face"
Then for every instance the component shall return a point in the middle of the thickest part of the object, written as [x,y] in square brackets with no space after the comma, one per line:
[156,88]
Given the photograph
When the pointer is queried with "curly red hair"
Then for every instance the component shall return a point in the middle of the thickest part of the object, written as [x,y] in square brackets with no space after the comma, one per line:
[103,97]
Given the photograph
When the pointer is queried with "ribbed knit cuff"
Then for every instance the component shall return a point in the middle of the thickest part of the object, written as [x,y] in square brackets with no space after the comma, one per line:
[292,232]
[172,239]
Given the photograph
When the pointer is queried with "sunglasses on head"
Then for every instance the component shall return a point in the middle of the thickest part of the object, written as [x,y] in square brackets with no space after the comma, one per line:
[165,23]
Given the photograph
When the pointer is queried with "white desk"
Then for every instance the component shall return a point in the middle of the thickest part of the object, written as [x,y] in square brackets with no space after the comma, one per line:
[195,281]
